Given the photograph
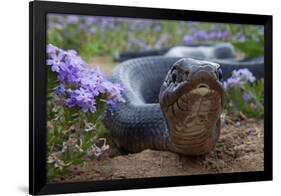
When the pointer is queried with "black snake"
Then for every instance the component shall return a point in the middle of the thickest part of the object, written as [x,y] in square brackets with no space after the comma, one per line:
[171,103]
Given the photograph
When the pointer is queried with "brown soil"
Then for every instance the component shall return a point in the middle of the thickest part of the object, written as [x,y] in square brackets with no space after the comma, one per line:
[238,150]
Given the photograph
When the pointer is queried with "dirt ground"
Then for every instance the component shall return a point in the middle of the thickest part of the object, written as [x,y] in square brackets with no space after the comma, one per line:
[239,149]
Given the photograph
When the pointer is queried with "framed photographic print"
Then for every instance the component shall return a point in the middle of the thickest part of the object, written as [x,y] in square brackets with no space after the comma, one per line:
[131,97]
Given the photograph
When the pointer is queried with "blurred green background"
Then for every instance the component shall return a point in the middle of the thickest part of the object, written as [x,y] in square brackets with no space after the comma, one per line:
[98,38]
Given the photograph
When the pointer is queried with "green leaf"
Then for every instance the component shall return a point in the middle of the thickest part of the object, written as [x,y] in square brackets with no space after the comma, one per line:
[250,48]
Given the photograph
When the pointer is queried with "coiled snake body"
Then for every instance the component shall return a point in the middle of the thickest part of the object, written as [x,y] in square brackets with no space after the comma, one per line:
[171,103]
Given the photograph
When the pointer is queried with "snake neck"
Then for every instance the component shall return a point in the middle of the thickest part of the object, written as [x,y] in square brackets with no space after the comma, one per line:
[194,123]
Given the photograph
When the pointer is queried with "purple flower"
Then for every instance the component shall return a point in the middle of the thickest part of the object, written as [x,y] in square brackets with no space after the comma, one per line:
[204,35]
[51,49]
[60,89]
[233,82]
[241,38]
[212,35]
[244,74]
[105,21]
[80,84]
[72,19]
[246,96]
[83,95]
[187,39]
[55,61]
[222,35]
[201,35]
[238,79]
[90,20]
[225,34]
[82,98]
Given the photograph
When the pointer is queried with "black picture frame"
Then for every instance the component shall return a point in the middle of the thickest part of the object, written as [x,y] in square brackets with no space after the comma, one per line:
[37,96]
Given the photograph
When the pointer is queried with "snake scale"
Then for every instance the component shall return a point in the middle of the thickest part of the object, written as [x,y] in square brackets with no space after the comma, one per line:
[171,103]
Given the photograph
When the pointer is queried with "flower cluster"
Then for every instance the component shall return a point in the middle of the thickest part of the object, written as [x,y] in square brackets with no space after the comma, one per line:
[205,36]
[239,78]
[244,94]
[244,74]
[79,84]
[89,23]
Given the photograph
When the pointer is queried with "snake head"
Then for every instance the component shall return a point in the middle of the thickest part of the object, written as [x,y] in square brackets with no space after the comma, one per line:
[188,75]
[191,99]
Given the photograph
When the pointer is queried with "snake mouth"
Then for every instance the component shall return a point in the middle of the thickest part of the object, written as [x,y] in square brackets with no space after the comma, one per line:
[199,88]
[202,89]
[202,86]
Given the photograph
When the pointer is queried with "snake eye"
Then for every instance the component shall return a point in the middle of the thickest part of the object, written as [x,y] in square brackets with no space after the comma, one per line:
[174,76]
